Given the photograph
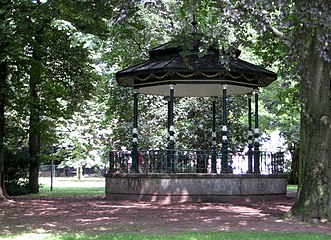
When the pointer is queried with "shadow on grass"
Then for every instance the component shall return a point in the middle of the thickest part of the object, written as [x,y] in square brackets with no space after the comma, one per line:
[182,236]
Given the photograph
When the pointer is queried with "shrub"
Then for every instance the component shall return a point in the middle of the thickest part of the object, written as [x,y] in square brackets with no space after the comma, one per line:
[16,171]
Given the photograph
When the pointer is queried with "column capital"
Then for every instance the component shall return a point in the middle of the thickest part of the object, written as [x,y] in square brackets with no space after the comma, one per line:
[172,86]
[135,91]
[225,86]
[214,98]
[256,91]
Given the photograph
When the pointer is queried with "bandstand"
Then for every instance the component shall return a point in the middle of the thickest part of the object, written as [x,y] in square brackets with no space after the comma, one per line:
[177,175]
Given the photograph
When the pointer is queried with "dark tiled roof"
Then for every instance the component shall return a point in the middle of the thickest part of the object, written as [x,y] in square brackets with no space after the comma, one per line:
[167,64]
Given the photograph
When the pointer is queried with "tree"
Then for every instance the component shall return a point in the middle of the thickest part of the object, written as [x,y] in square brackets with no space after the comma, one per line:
[282,104]
[3,76]
[8,54]
[303,28]
[129,44]
[315,200]
[55,40]
[65,35]
[83,137]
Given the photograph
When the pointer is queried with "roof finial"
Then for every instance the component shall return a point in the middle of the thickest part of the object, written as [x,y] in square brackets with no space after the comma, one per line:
[194,18]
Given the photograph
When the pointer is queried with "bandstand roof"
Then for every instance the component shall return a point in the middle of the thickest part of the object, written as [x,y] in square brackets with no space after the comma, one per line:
[193,75]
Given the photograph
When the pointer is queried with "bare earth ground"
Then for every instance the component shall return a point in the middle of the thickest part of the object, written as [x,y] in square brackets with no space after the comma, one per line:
[97,215]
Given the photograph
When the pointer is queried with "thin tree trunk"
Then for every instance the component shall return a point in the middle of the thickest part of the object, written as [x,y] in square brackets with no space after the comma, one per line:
[34,134]
[314,200]
[3,78]
[34,149]
[294,165]
[34,122]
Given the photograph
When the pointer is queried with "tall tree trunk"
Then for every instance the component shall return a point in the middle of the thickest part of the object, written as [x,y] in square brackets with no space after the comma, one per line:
[34,139]
[34,122]
[314,199]
[3,79]
[6,8]
[329,144]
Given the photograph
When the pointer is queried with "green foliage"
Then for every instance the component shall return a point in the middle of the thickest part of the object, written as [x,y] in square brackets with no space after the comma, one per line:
[16,172]
[48,47]
[82,139]
[129,44]
[283,104]
[194,122]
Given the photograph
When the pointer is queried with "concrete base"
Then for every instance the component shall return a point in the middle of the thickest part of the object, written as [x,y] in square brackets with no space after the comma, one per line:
[194,187]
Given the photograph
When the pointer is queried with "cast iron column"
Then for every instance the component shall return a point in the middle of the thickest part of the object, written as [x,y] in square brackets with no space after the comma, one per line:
[168,123]
[224,162]
[213,144]
[256,135]
[168,164]
[135,154]
[250,136]
[171,130]
[111,161]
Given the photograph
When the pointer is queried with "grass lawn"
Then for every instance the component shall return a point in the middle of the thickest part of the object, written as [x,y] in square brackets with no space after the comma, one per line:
[84,187]
[182,236]
[71,187]
[71,191]
[292,187]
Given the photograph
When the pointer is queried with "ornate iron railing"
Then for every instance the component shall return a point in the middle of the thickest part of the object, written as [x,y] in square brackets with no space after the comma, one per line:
[192,161]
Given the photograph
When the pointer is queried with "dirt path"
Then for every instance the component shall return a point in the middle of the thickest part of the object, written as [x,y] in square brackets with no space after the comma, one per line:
[91,215]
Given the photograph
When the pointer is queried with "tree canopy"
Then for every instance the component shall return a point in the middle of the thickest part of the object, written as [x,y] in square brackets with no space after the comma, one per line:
[55,55]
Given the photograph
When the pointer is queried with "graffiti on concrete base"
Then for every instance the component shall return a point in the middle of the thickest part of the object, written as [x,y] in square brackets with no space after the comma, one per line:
[134,184]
